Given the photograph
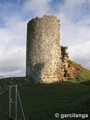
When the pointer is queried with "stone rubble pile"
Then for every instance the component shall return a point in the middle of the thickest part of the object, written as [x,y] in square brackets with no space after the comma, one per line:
[46,60]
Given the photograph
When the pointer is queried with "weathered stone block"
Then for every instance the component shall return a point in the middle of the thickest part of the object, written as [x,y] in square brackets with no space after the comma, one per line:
[43,49]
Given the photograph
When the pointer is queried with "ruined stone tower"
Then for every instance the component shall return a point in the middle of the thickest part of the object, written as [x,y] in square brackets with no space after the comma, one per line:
[43,61]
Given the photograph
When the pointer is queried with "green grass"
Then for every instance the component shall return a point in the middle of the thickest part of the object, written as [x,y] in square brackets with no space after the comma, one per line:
[84,75]
[42,101]
[83,78]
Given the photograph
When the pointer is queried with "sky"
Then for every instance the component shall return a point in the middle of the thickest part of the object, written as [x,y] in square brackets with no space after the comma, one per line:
[74,18]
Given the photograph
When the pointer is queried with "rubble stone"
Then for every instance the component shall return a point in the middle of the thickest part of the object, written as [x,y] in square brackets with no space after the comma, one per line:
[46,59]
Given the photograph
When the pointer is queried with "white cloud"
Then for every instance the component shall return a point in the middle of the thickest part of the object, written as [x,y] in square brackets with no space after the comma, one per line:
[12,60]
[13,48]
[81,53]
[38,7]
[77,38]
[69,5]
[75,32]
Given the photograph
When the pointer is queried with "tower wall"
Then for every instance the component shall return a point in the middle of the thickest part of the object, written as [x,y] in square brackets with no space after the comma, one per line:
[43,59]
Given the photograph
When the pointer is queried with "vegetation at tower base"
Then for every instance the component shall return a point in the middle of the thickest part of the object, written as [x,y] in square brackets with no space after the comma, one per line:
[42,101]
[70,93]
[46,60]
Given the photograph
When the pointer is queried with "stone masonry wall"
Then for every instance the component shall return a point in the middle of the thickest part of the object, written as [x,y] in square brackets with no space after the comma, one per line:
[43,61]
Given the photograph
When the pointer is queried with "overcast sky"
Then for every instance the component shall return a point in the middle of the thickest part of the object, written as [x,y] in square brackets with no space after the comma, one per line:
[74,17]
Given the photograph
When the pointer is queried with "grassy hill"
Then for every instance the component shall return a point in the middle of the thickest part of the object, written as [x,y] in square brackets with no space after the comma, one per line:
[42,101]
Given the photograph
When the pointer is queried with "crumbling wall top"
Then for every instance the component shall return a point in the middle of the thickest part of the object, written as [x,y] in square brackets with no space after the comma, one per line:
[44,17]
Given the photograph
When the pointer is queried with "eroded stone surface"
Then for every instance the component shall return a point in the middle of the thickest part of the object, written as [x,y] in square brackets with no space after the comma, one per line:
[47,60]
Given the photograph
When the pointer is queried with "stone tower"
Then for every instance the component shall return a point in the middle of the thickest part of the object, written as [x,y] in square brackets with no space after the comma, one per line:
[43,59]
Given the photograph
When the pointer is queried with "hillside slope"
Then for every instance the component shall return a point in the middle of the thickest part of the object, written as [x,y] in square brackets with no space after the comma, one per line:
[42,101]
